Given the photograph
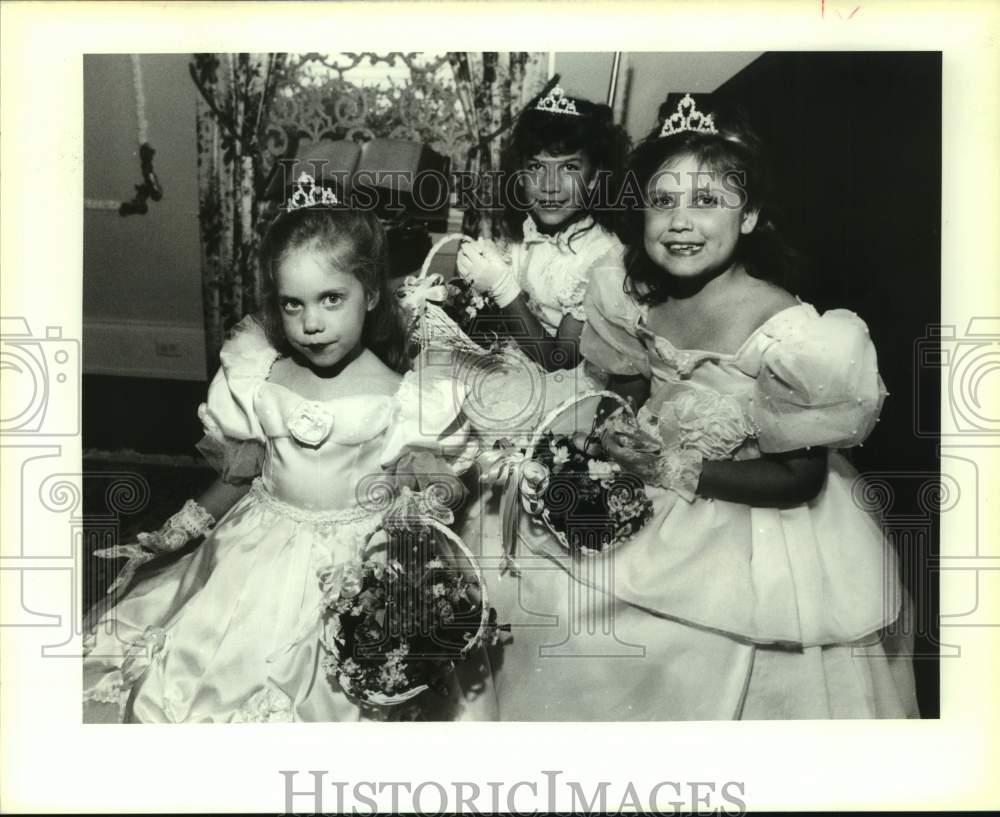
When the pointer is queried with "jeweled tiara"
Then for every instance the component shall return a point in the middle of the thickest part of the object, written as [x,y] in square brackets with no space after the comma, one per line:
[688,117]
[557,102]
[307,194]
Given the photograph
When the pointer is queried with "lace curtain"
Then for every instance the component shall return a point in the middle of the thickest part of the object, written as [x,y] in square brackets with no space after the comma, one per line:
[493,88]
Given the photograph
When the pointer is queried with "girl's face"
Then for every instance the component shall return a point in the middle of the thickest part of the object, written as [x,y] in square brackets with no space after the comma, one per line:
[694,219]
[556,186]
[322,308]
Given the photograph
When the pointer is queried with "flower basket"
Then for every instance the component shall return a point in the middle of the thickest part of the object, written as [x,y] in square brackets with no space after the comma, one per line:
[396,622]
[449,308]
[586,502]
[567,485]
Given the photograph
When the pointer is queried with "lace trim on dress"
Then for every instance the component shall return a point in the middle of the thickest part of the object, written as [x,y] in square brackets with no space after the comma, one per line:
[115,686]
[110,689]
[260,494]
[267,705]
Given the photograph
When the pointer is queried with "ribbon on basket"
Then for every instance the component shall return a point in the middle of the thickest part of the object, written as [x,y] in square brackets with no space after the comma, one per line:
[523,480]
[417,292]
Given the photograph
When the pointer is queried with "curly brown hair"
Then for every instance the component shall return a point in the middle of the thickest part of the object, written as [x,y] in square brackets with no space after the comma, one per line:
[593,133]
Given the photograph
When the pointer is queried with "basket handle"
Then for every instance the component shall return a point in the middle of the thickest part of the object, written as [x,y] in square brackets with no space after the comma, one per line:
[447,239]
[567,404]
[484,603]
[455,540]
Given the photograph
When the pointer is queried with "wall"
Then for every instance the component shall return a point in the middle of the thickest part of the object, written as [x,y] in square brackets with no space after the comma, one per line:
[585,75]
[142,290]
[863,205]
[647,78]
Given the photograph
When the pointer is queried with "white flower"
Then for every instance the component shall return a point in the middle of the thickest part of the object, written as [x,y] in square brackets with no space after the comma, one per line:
[561,455]
[533,476]
[434,564]
[351,581]
[312,423]
[329,664]
[393,675]
[438,589]
[601,469]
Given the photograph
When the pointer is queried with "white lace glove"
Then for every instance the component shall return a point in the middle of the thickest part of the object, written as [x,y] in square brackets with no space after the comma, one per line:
[675,468]
[679,470]
[482,264]
[190,521]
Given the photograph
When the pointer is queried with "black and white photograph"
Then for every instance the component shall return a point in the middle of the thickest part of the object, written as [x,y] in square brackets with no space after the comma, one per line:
[582,393]
[652,330]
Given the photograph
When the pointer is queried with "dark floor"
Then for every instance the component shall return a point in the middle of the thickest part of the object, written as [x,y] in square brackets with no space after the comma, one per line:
[168,488]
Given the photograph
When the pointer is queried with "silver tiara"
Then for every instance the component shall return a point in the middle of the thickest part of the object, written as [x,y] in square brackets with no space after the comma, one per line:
[557,102]
[307,194]
[688,117]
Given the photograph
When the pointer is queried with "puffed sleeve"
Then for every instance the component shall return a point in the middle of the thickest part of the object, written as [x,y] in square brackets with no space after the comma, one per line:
[429,419]
[609,339]
[602,250]
[234,440]
[817,383]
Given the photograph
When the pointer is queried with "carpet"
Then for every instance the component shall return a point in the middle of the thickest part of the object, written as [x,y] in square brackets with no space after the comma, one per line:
[137,492]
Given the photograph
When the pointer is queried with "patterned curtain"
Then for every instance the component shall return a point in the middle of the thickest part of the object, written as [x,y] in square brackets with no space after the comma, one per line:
[236,91]
[493,87]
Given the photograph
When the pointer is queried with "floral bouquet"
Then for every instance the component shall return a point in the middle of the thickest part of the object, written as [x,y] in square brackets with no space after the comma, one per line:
[395,623]
[567,482]
[464,305]
[588,501]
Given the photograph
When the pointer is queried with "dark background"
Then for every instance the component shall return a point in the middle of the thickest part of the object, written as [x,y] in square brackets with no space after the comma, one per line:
[855,139]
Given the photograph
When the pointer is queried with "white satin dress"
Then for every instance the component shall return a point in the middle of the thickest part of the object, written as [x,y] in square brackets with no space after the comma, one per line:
[230,632]
[763,612]
[716,610]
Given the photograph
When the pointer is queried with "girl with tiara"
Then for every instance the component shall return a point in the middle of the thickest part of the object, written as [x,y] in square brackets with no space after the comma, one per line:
[774,588]
[561,169]
[572,653]
[232,631]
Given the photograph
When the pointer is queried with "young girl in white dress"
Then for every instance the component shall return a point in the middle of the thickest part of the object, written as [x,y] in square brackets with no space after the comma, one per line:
[773,585]
[572,653]
[563,169]
[231,632]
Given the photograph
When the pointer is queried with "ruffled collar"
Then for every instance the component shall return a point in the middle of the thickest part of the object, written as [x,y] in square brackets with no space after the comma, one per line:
[561,239]
[684,361]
